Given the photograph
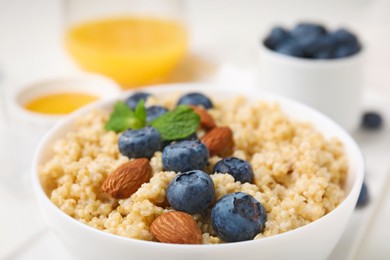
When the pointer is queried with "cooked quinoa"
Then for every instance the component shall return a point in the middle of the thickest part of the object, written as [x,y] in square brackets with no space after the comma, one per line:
[298,174]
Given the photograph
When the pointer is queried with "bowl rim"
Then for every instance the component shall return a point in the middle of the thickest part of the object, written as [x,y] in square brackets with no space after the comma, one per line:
[185,88]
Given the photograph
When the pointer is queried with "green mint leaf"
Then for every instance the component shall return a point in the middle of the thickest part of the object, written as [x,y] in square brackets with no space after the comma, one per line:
[177,124]
[140,112]
[123,118]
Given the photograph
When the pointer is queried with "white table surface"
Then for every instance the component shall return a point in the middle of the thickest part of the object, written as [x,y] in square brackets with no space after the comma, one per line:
[224,31]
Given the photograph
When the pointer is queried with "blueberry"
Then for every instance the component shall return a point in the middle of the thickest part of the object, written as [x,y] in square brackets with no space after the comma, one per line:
[277,35]
[364,197]
[241,170]
[141,143]
[290,47]
[133,100]
[322,55]
[321,48]
[154,111]
[372,120]
[191,192]
[343,36]
[309,36]
[185,155]
[238,217]
[196,99]
[313,44]
[192,136]
[346,43]
[346,50]
[310,44]
[304,30]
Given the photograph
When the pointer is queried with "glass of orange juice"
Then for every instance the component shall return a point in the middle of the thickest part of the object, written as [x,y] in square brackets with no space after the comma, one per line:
[134,42]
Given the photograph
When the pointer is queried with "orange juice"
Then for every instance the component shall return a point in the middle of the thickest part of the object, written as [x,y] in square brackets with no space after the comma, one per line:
[59,104]
[133,51]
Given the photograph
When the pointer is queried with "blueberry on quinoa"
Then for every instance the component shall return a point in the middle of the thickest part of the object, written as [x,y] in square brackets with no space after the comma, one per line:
[192,136]
[185,155]
[196,99]
[141,143]
[154,112]
[133,100]
[238,217]
[191,192]
[240,169]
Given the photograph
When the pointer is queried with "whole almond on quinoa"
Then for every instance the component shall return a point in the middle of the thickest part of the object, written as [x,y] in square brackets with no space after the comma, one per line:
[176,227]
[127,178]
[206,120]
[219,141]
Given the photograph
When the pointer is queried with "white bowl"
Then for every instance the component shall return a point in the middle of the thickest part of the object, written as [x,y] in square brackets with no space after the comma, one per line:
[313,241]
[332,86]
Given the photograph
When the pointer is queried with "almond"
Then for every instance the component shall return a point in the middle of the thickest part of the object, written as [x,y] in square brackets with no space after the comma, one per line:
[219,141]
[127,178]
[206,120]
[176,227]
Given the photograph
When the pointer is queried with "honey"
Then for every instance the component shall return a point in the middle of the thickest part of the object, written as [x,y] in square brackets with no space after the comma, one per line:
[60,103]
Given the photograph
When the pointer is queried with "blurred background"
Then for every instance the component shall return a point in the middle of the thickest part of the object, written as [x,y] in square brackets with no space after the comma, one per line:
[214,41]
[221,32]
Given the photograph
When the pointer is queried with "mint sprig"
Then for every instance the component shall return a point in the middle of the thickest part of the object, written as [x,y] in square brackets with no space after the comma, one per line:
[140,112]
[123,117]
[176,124]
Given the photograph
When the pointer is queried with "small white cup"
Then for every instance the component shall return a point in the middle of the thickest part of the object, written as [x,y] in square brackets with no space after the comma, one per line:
[87,83]
[26,128]
[332,86]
